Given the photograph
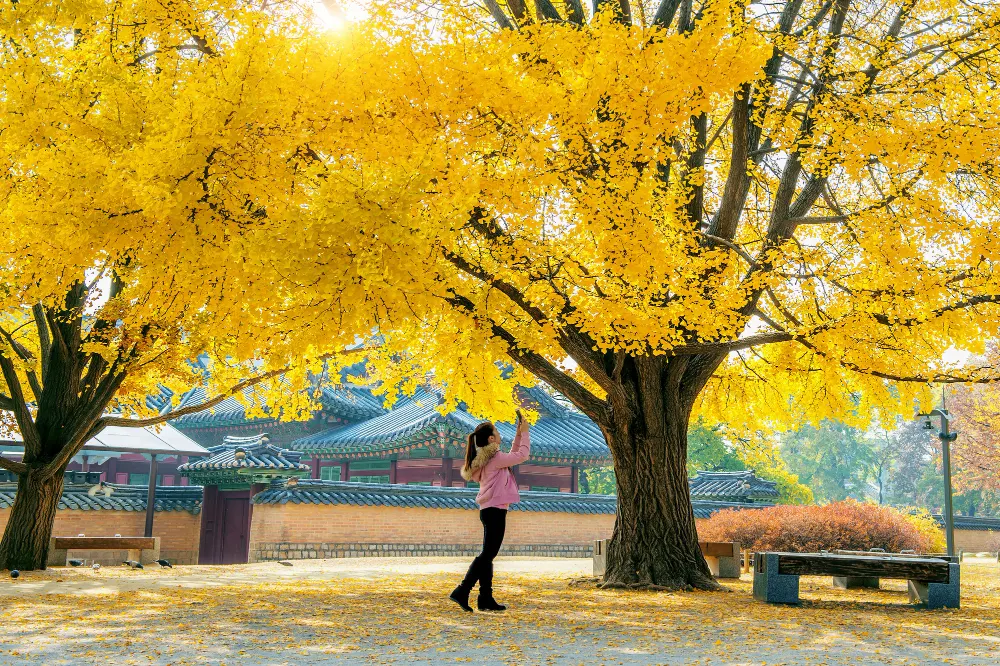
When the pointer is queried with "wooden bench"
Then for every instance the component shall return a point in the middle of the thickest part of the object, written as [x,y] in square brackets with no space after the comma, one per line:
[140,549]
[873,582]
[933,582]
[723,558]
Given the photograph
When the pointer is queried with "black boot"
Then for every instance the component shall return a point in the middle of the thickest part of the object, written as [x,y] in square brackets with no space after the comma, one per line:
[460,596]
[486,602]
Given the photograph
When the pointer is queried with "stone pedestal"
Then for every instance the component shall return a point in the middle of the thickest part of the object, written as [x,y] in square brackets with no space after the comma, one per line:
[938,595]
[769,585]
[600,557]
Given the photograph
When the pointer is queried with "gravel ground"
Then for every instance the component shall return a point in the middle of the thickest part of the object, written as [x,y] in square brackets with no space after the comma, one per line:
[395,611]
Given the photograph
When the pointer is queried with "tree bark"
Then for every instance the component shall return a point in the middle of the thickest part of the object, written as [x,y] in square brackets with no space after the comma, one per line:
[25,543]
[655,541]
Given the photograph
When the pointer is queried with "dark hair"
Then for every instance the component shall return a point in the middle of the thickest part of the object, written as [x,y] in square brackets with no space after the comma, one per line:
[479,437]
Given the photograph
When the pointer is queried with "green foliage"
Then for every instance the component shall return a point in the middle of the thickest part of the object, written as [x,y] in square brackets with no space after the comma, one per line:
[708,451]
[766,462]
[835,460]
[598,481]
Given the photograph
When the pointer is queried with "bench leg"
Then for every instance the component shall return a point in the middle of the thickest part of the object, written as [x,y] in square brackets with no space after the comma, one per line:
[57,556]
[600,558]
[938,595]
[150,555]
[856,582]
[772,587]
[723,567]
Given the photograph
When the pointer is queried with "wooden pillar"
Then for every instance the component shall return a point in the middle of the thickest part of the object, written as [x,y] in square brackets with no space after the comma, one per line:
[574,479]
[447,472]
[85,465]
[151,496]
[516,472]
[315,467]
[345,470]
[392,471]
[109,475]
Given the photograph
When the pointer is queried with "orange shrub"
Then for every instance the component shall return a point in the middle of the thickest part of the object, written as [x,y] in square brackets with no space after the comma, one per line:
[845,525]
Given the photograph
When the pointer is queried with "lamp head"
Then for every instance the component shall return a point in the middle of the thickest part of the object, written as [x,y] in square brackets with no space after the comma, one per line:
[927,424]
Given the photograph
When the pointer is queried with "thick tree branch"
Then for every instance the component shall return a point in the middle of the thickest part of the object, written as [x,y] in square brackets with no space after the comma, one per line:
[29,432]
[192,409]
[665,13]
[497,13]
[13,466]
[540,366]
[44,339]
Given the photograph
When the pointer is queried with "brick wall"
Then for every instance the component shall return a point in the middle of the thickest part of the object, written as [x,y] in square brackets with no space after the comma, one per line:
[304,531]
[178,531]
[974,541]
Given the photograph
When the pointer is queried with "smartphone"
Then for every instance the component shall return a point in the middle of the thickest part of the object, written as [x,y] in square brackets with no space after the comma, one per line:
[519,417]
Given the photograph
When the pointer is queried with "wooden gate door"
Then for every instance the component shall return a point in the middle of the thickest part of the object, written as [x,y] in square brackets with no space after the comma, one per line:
[225,537]
[235,527]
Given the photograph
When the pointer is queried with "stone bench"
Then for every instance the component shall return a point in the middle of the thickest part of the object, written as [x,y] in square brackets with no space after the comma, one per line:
[933,582]
[140,549]
[723,558]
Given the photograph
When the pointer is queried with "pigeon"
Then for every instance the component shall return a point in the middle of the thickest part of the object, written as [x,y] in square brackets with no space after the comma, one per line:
[76,563]
[165,563]
[97,566]
[14,573]
[287,564]
[133,564]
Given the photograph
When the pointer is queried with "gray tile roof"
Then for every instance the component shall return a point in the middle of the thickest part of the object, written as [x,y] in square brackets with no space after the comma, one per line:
[343,400]
[976,523]
[123,498]
[731,486]
[371,494]
[252,453]
[563,436]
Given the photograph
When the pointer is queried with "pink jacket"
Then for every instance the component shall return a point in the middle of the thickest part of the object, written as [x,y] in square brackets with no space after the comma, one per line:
[491,469]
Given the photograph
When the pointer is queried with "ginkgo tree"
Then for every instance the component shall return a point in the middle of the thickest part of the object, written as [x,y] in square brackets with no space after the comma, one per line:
[753,211]
[149,152]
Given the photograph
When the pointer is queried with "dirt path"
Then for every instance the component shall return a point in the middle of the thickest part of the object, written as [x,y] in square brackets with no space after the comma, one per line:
[394,611]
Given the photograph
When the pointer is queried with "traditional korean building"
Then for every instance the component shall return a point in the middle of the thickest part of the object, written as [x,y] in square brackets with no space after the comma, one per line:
[231,475]
[354,437]
[415,444]
[743,487]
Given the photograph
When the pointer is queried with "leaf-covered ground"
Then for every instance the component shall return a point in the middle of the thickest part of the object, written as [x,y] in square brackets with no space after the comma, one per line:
[395,611]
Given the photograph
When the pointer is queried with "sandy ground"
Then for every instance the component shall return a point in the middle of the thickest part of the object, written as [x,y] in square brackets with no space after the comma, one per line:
[395,611]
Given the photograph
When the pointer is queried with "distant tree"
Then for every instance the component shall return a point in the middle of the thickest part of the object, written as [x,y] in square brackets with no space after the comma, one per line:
[708,450]
[598,481]
[835,460]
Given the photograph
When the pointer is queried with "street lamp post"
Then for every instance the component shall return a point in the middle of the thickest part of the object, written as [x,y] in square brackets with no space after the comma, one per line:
[946,437]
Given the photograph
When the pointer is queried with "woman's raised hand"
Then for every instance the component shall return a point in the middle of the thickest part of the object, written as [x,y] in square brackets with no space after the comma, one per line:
[522,423]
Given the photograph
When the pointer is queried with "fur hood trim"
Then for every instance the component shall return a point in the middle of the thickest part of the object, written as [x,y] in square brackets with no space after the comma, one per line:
[483,455]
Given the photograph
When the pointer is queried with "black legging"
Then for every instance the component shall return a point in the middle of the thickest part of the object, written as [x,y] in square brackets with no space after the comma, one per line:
[494,522]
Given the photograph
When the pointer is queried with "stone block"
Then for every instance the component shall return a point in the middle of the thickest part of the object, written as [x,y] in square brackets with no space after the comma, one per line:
[938,595]
[771,586]
[856,582]
[724,567]
[600,557]
[57,556]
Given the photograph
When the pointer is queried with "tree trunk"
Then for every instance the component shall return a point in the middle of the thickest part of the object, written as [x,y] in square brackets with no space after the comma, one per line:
[655,541]
[25,543]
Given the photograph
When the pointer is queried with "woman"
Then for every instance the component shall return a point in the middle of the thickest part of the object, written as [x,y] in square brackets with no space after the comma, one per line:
[485,464]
